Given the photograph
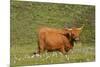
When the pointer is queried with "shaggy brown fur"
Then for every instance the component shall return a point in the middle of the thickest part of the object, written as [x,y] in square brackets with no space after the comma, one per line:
[51,39]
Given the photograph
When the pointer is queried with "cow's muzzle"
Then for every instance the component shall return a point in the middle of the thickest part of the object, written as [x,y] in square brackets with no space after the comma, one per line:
[77,39]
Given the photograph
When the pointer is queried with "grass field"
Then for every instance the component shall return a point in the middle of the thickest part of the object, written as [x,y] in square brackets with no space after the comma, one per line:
[27,16]
[22,55]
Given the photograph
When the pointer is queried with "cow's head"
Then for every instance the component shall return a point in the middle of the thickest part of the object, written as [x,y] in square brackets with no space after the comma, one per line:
[74,32]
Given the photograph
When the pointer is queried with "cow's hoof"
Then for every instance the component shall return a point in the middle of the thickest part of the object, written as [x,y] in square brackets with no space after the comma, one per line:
[37,55]
[32,56]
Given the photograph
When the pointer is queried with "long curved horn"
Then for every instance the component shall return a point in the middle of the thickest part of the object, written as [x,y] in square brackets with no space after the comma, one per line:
[69,29]
[79,28]
[82,26]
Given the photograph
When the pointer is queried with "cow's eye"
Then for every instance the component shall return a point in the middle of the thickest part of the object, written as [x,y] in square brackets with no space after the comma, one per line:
[72,34]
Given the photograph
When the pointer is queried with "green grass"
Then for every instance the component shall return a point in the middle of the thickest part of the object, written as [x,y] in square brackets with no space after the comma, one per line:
[27,16]
[22,55]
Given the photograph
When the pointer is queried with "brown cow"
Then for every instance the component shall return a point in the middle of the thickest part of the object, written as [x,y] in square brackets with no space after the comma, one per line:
[62,40]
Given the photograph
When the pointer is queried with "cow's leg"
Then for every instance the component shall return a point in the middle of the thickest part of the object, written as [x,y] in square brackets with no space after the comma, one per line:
[41,42]
[41,49]
[41,46]
[62,50]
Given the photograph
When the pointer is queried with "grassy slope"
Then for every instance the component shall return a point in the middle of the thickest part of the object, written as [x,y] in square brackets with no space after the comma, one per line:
[27,16]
